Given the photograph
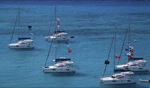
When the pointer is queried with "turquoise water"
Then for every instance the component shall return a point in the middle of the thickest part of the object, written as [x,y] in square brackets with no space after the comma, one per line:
[92,24]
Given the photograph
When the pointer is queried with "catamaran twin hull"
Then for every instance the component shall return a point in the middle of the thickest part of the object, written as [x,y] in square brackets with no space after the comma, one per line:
[18,46]
[119,78]
[109,80]
[51,69]
[121,68]
[56,39]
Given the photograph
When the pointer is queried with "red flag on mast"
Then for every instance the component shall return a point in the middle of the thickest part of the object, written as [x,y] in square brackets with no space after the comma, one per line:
[129,54]
[117,57]
[69,50]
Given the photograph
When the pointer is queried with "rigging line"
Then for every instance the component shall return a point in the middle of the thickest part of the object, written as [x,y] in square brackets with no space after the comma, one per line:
[19,22]
[51,23]
[56,50]
[14,27]
[109,54]
[129,41]
[48,53]
[56,33]
[122,45]
[115,46]
[104,70]
[51,42]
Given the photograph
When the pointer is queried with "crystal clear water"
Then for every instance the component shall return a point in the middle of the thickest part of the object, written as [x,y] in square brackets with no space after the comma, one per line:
[92,23]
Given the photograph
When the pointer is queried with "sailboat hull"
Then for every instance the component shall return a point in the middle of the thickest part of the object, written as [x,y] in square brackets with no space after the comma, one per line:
[131,69]
[56,39]
[112,81]
[18,46]
[51,69]
[23,43]
[135,68]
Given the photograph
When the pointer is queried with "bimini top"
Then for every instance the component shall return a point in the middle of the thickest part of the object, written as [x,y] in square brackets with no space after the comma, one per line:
[62,59]
[134,58]
[25,38]
[60,31]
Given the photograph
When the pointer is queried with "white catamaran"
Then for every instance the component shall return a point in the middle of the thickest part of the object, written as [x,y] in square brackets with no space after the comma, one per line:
[58,35]
[23,42]
[134,64]
[60,65]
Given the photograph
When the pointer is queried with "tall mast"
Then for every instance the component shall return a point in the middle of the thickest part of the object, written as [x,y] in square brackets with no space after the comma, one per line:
[123,45]
[129,41]
[51,23]
[18,16]
[19,23]
[129,34]
[55,28]
[107,61]
[48,53]
[115,46]
[52,40]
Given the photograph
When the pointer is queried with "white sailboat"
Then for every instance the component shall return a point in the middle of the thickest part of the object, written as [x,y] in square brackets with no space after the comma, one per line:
[58,35]
[119,78]
[134,64]
[23,42]
[116,78]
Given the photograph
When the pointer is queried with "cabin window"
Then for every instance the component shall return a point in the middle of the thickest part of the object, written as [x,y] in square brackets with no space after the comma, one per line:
[114,81]
[141,65]
[113,77]
[46,67]
[22,43]
[53,69]
[133,65]
[129,80]
[120,76]
[60,66]
[126,67]
[67,69]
